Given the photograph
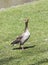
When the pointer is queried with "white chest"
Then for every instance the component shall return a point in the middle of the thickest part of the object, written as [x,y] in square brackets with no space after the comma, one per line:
[25,36]
[26,33]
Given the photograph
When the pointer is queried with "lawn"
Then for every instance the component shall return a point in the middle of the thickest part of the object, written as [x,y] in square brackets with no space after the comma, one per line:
[12,25]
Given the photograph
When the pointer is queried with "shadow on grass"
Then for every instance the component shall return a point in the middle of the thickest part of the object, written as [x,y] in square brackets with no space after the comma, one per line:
[6,60]
[24,47]
[40,62]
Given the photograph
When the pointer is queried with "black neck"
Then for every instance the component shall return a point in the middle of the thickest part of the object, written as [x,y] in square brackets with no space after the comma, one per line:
[26,25]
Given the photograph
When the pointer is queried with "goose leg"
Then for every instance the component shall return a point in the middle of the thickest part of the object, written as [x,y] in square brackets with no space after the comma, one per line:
[22,47]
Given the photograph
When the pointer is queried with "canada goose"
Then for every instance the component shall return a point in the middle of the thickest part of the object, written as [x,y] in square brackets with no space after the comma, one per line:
[24,37]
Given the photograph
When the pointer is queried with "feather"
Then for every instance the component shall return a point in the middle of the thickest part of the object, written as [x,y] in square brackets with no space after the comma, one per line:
[17,40]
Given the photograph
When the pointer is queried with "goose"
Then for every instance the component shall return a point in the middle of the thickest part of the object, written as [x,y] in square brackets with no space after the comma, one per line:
[23,37]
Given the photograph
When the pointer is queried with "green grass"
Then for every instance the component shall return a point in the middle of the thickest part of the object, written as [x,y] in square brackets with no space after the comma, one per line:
[12,25]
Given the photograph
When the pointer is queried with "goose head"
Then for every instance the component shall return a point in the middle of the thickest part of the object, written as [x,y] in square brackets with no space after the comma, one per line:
[26,20]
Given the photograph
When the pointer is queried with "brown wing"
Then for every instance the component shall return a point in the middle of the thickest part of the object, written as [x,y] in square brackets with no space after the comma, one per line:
[19,37]
[17,40]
